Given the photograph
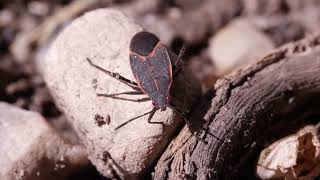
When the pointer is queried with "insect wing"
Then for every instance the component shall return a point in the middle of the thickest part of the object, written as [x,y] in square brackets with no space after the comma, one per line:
[159,60]
[154,72]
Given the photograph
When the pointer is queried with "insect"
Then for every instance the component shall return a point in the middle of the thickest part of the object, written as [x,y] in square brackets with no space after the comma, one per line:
[152,68]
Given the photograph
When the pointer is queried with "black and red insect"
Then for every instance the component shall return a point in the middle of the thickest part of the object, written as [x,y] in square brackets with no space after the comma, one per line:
[152,68]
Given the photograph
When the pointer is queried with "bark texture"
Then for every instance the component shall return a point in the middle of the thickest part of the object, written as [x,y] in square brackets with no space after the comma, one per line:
[246,110]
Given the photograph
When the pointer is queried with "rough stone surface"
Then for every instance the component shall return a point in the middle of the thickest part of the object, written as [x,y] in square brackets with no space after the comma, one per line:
[236,45]
[103,36]
[31,149]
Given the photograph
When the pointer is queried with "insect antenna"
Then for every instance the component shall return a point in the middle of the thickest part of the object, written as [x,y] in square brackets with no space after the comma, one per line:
[132,119]
[176,66]
[188,122]
[181,53]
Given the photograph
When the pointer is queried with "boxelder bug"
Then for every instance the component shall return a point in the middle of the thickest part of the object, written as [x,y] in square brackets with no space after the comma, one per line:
[151,66]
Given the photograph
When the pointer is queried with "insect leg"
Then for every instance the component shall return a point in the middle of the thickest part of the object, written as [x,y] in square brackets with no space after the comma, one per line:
[123,124]
[154,109]
[126,93]
[117,76]
[151,116]
[125,99]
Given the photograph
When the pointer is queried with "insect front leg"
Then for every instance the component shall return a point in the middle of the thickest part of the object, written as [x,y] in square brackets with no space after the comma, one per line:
[125,93]
[127,99]
[115,96]
[117,76]
[153,111]
[132,119]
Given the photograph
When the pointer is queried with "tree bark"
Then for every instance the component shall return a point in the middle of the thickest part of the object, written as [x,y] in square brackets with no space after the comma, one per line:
[246,110]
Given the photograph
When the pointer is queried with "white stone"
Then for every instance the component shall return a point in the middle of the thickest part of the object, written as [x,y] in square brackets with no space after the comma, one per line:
[238,44]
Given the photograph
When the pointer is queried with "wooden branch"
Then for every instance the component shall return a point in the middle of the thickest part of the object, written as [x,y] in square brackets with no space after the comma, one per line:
[245,110]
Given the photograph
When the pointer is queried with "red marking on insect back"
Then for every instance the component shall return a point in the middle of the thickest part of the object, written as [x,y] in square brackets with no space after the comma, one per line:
[153,52]
[139,57]
[170,72]
[151,65]
[155,82]
[139,83]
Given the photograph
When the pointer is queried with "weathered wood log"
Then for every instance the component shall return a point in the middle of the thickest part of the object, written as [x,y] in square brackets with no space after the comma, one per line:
[247,109]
